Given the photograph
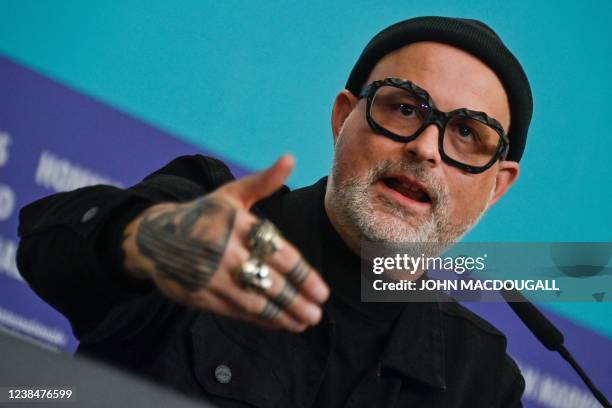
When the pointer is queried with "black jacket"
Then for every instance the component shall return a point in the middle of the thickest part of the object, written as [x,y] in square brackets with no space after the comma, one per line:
[436,355]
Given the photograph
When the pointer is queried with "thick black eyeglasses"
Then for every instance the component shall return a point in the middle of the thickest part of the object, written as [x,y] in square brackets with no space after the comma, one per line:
[400,110]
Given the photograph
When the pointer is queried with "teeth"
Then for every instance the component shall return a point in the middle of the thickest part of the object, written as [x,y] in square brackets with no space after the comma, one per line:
[413,188]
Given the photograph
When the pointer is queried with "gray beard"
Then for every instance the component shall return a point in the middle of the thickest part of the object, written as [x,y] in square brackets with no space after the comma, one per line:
[353,205]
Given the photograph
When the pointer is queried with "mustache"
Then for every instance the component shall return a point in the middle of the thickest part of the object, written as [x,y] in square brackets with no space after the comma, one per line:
[437,190]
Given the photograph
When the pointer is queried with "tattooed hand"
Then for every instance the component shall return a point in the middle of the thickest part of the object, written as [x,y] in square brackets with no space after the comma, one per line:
[193,250]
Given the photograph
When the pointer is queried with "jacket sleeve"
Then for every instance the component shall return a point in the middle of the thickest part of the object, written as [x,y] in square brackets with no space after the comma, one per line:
[69,249]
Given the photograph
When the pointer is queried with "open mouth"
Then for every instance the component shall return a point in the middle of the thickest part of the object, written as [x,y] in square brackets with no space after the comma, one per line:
[408,188]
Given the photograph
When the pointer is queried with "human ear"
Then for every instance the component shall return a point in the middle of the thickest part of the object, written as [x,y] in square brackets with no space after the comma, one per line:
[507,174]
[343,106]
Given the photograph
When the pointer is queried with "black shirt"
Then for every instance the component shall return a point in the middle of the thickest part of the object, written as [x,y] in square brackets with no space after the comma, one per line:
[417,354]
[361,329]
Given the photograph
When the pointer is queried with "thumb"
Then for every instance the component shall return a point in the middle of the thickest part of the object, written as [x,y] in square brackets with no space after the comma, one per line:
[254,187]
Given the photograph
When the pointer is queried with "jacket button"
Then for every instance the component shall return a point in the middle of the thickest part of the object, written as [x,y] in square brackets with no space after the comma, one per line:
[223,374]
[89,214]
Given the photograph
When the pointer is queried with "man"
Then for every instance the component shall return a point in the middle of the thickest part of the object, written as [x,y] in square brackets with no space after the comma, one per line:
[179,279]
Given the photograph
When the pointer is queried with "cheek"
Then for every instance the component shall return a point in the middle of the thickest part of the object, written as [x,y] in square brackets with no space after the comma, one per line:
[468,194]
[359,149]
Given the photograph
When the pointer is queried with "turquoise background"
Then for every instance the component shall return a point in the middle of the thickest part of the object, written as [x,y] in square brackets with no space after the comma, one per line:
[252,80]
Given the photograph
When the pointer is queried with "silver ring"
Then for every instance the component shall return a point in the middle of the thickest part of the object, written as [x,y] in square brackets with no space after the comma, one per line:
[270,311]
[255,275]
[298,274]
[264,239]
[285,297]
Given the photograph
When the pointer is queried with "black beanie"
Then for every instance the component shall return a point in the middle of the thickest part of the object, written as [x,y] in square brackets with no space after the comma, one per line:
[472,36]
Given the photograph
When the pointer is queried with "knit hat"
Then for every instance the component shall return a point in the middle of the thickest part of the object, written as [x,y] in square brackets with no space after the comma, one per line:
[472,36]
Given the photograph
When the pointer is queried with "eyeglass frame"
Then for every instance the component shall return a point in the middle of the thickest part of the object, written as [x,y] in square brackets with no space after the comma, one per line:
[435,117]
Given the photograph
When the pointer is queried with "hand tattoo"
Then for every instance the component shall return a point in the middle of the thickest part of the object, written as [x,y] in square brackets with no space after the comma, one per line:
[188,258]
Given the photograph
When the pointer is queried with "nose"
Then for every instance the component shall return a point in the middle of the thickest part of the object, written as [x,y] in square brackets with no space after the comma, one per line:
[425,147]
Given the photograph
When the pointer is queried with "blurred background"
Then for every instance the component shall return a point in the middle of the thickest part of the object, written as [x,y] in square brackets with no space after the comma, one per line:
[106,92]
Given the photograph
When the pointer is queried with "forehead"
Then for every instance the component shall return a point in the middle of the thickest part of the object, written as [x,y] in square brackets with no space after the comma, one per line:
[454,78]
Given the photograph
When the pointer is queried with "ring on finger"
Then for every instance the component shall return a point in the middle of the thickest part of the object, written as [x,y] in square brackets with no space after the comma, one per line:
[270,311]
[299,272]
[285,297]
[255,275]
[264,239]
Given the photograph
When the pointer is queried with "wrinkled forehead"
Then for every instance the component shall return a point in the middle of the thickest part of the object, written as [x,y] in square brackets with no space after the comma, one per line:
[453,78]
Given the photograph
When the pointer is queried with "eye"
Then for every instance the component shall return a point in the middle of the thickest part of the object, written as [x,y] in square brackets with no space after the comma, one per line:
[465,131]
[406,109]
